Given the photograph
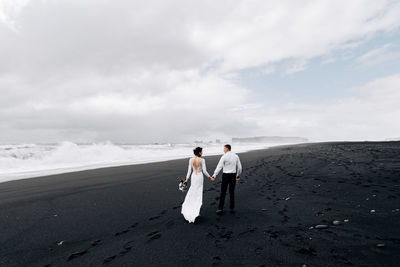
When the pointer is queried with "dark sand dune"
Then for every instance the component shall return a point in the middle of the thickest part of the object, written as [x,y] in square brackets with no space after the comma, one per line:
[287,202]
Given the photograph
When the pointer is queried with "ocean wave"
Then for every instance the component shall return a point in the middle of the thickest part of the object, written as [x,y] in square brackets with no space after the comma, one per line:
[31,160]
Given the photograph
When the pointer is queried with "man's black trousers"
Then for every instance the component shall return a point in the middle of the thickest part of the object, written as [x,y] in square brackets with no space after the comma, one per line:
[228,179]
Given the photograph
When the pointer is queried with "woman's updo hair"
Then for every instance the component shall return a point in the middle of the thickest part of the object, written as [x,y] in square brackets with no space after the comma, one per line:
[197,151]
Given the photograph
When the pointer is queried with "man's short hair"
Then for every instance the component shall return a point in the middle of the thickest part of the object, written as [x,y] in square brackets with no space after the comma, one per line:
[228,146]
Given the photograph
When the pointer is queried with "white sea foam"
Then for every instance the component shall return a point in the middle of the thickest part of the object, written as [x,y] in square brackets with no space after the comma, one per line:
[32,160]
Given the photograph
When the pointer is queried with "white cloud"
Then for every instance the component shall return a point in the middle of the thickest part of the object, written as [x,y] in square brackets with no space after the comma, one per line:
[146,70]
[163,105]
[370,114]
[378,55]
[296,66]
[268,69]
[250,34]
[9,12]
[232,35]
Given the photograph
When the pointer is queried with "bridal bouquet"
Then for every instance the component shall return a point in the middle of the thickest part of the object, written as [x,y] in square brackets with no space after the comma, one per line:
[182,186]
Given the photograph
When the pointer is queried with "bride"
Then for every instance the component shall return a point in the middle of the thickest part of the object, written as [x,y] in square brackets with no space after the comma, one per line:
[194,197]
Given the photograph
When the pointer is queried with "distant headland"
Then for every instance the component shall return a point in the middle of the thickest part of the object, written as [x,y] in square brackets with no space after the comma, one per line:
[269,139]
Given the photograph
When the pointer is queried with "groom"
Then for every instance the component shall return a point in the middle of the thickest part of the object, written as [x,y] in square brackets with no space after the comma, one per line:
[231,170]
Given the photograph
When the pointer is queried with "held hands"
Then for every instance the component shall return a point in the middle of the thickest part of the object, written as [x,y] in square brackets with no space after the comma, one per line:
[212,178]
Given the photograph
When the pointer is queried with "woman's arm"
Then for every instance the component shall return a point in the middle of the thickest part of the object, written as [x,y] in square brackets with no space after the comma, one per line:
[189,170]
[204,168]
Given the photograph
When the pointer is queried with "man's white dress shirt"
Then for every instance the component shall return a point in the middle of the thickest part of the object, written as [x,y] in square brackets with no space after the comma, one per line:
[229,163]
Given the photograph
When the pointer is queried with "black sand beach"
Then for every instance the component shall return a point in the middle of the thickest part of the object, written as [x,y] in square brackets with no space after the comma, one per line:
[130,215]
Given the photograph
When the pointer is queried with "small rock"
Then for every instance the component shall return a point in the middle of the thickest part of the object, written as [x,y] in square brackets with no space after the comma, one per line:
[336,222]
[346,220]
[321,226]
[287,198]
[264,209]
[312,227]
[372,211]
[380,245]
[60,243]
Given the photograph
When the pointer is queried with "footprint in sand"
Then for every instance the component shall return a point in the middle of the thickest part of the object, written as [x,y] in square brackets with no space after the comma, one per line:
[77,255]
[154,235]
[109,259]
[153,218]
[285,219]
[307,251]
[96,243]
[249,230]
[170,224]
[227,235]
[134,225]
[121,233]
[161,213]
[83,252]
[216,260]
[210,235]
[127,247]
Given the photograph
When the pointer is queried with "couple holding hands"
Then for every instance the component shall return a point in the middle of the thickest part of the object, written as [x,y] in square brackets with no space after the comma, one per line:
[231,169]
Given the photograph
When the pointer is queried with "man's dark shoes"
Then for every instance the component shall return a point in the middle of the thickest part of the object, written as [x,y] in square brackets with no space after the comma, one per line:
[219,212]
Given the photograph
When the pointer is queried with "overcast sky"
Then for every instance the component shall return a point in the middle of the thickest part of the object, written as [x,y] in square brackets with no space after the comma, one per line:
[139,71]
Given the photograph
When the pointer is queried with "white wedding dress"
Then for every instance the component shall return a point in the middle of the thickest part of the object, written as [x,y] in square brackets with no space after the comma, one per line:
[194,197]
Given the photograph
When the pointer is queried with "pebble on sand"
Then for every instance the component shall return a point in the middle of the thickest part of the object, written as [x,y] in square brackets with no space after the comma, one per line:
[372,211]
[321,226]
[380,245]
[336,222]
[346,220]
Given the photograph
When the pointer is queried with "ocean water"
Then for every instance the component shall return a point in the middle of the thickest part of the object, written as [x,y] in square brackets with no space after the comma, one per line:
[18,161]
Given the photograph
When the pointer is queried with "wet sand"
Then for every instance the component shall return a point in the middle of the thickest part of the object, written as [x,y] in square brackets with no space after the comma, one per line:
[286,205]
